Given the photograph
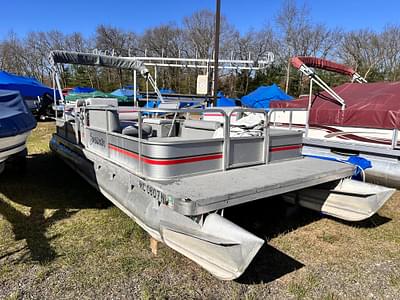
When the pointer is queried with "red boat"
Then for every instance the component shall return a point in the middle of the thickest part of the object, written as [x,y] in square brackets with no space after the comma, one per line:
[355,118]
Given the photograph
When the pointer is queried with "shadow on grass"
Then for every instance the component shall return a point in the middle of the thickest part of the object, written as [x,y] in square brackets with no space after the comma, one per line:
[47,183]
[270,218]
[267,219]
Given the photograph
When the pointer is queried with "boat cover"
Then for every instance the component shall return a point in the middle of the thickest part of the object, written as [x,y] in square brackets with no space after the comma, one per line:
[28,87]
[97,94]
[15,116]
[123,92]
[82,89]
[223,101]
[369,105]
[167,91]
[262,96]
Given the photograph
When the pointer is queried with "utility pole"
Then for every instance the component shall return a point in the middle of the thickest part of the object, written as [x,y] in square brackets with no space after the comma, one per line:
[216,50]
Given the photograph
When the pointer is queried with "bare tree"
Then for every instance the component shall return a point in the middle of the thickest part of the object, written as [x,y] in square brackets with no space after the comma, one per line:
[299,36]
[363,50]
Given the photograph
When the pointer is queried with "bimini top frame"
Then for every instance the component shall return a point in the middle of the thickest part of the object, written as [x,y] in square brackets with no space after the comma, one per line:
[201,63]
[90,59]
[305,63]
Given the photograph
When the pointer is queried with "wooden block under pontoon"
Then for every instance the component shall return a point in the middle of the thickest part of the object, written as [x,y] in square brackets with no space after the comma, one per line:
[153,245]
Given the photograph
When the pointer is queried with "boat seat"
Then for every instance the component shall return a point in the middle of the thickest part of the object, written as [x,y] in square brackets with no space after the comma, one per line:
[132,130]
[200,124]
[102,102]
[157,121]
[168,105]
[199,128]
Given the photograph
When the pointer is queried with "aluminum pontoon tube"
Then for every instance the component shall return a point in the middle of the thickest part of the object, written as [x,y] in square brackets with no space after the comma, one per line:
[219,246]
[349,200]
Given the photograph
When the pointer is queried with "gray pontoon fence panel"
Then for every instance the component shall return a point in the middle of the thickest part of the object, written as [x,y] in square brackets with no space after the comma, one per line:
[226,135]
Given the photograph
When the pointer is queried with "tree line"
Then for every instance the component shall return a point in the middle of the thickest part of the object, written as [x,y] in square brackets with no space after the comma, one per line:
[292,32]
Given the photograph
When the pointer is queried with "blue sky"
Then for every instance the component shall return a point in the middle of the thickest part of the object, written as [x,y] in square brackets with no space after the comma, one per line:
[68,16]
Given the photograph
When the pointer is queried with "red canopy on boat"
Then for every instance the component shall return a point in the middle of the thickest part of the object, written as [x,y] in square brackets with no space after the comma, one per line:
[321,63]
[370,105]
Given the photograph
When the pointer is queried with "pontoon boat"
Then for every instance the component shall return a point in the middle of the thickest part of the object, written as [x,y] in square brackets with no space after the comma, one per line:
[175,173]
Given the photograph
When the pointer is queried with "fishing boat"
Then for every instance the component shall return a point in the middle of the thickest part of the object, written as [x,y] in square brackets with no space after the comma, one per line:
[16,123]
[175,173]
[352,119]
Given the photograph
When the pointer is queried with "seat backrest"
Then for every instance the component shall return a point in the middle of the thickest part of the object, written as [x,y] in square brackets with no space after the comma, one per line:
[199,128]
[102,101]
[204,125]
[168,105]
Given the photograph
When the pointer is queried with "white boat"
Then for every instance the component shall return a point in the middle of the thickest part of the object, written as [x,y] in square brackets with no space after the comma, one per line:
[176,174]
[16,123]
[353,119]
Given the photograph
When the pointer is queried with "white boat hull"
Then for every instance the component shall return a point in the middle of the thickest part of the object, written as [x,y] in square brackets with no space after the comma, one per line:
[373,144]
[12,145]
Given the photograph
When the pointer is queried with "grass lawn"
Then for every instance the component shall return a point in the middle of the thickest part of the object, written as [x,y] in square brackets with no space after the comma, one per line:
[59,238]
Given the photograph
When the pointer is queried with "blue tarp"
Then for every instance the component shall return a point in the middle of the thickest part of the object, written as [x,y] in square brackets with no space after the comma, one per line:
[123,92]
[167,91]
[262,96]
[360,162]
[224,101]
[28,87]
[15,116]
[81,90]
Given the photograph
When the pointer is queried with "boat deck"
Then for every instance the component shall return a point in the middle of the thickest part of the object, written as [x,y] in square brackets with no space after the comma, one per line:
[204,193]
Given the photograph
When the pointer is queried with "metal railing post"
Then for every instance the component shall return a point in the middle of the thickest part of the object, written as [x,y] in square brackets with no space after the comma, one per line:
[308,109]
[108,129]
[394,138]
[266,139]
[140,141]
[227,139]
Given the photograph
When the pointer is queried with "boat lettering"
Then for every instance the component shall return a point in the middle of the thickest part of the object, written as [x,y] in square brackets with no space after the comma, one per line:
[97,140]
[153,192]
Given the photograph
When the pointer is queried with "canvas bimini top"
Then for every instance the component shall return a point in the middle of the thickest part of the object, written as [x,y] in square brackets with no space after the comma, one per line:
[90,59]
[15,116]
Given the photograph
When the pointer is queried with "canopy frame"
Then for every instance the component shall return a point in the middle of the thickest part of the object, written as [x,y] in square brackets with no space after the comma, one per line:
[92,59]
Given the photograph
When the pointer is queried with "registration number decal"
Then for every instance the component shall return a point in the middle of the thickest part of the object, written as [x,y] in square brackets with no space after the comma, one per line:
[153,192]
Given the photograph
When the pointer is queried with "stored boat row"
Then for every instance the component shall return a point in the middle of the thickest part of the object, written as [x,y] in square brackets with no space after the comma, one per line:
[174,172]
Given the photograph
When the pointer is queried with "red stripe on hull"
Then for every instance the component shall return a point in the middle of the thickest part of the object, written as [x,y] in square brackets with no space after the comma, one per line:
[166,162]
[285,148]
[176,161]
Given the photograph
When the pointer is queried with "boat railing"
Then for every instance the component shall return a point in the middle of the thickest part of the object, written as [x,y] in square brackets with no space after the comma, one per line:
[395,137]
[227,128]
[266,137]
[76,118]
[273,111]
